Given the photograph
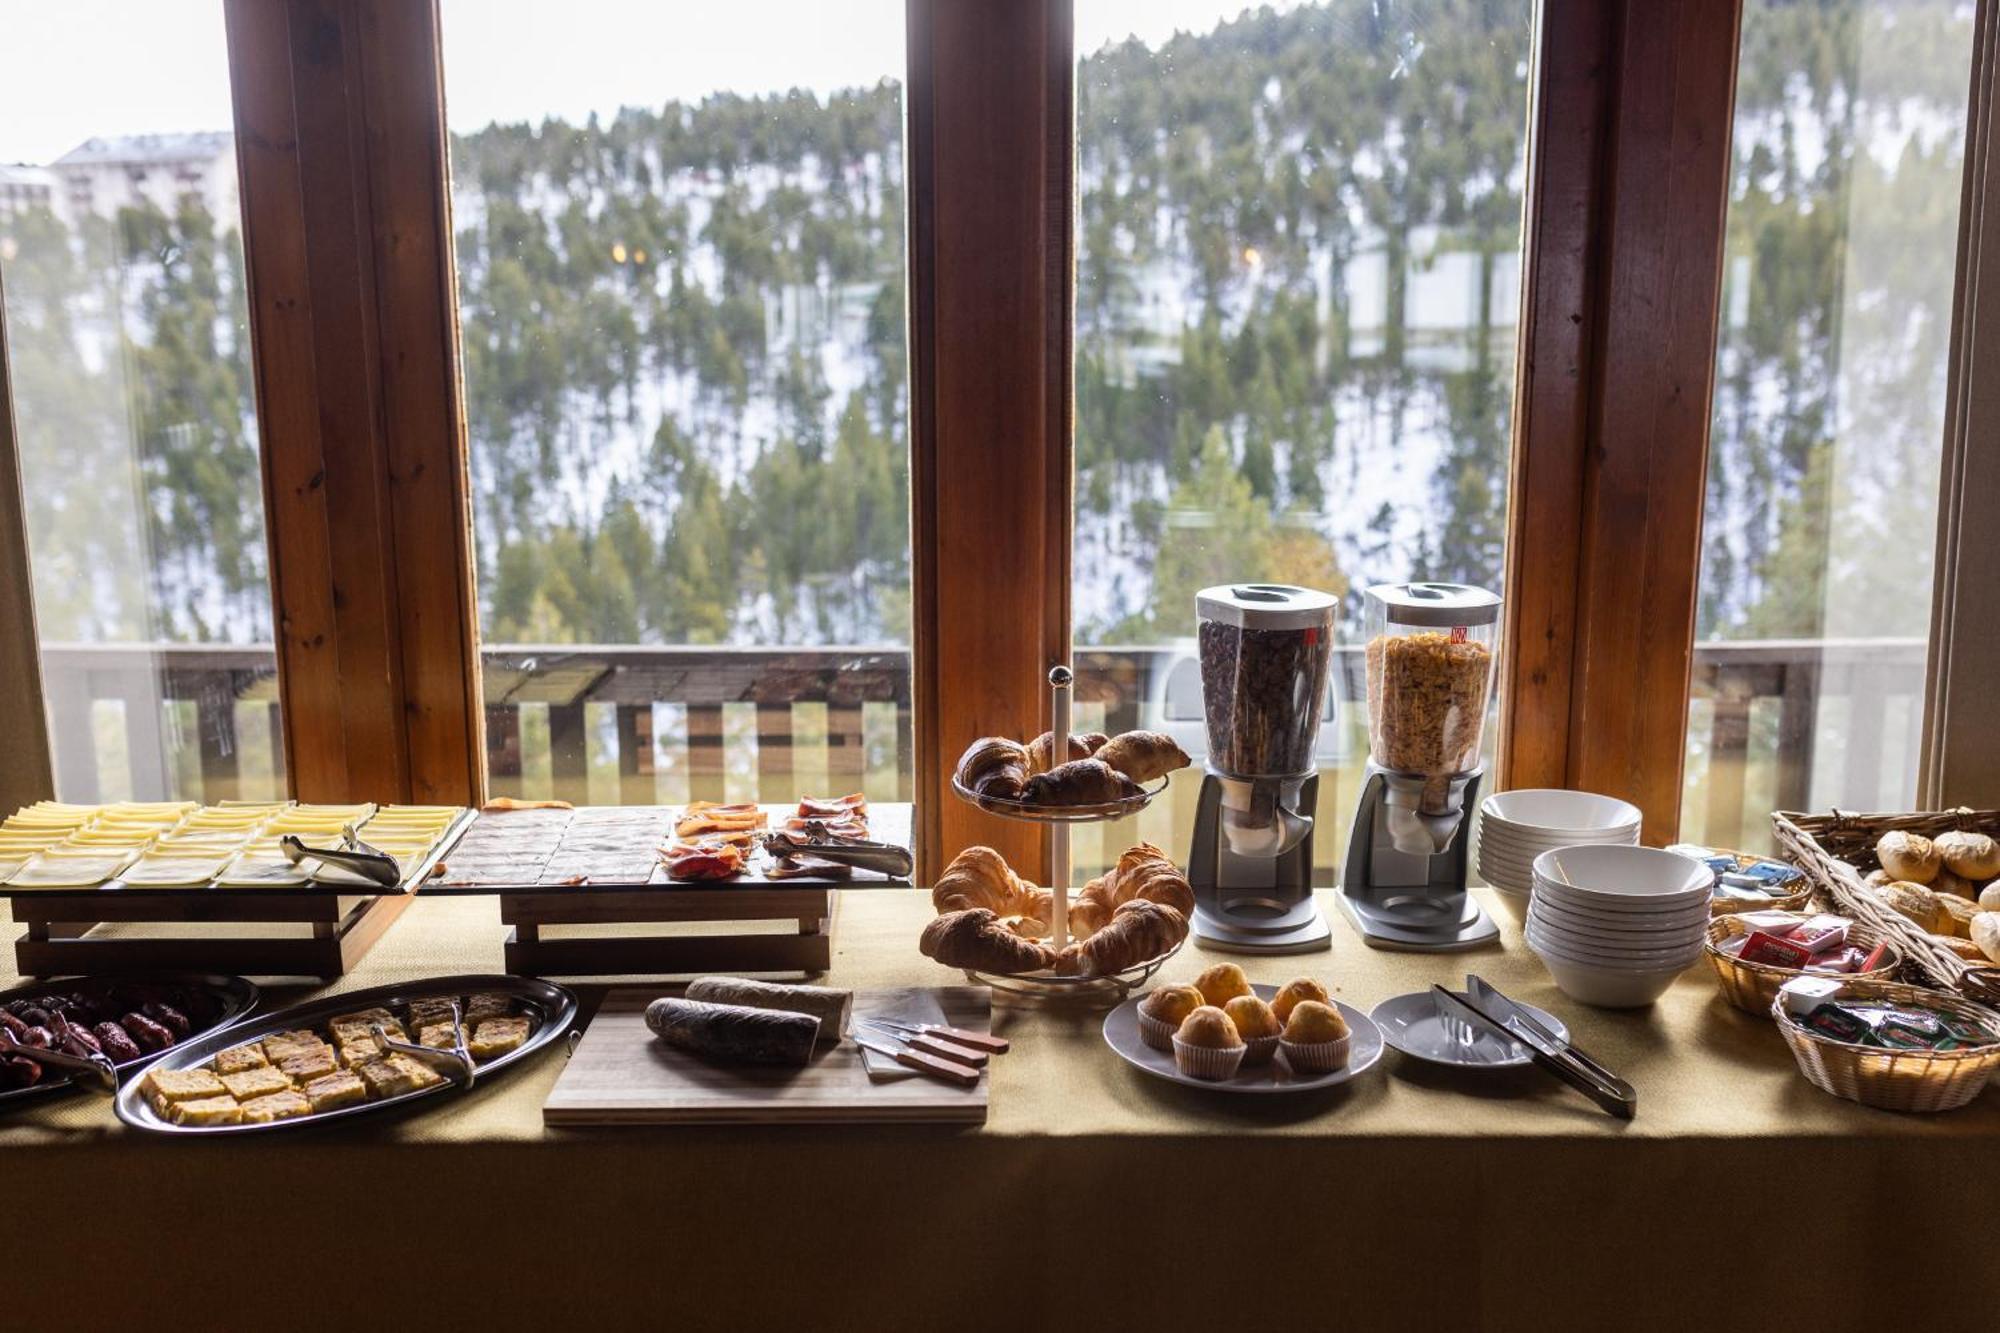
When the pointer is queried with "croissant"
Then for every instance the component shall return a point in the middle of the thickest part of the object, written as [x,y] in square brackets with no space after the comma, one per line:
[1079,782]
[975,939]
[1140,930]
[994,766]
[979,877]
[1143,755]
[1092,909]
[1163,884]
[1082,745]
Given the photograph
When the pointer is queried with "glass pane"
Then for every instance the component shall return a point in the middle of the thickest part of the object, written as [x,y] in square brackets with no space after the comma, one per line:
[680,267]
[1828,419]
[1298,238]
[128,340]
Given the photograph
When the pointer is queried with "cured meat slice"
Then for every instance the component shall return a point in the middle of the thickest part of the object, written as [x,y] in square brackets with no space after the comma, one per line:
[832,807]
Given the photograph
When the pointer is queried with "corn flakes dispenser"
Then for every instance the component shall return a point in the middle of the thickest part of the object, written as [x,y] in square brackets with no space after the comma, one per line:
[1430,674]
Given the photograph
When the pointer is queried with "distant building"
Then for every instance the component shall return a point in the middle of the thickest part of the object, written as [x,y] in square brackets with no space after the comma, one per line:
[23,188]
[100,176]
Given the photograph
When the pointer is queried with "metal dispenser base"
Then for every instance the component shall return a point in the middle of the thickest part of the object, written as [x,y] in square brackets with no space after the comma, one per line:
[1250,904]
[1401,900]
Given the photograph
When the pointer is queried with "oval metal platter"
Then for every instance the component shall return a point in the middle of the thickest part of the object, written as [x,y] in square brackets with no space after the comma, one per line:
[552,1007]
[1060,814]
[234,997]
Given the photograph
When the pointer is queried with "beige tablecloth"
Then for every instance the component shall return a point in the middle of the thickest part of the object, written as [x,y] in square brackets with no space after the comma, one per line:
[1093,1196]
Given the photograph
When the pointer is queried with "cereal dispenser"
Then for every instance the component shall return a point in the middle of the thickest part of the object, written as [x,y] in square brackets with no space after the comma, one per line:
[1430,673]
[1265,652]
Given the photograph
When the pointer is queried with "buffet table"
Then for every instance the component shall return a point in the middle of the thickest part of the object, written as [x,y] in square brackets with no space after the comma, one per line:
[1093,1197]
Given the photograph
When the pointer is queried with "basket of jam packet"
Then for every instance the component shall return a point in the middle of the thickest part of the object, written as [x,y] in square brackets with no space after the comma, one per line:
[1899,1048]
[1745,882]
[1754,953]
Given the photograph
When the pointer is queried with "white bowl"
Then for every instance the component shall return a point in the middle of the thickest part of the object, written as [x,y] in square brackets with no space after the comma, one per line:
[1608,988]
[1551,808]
[1686,920]
[1611,954]
[1512,838]
[1511,875]
[1624,878]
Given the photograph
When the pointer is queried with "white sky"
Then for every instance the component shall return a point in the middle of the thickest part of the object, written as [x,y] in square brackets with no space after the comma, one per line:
[70,69]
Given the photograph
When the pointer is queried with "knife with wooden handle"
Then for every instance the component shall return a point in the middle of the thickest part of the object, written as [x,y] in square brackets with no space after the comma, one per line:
[931,1066]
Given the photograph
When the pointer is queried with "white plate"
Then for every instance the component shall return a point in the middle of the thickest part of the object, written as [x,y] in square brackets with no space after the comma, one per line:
[1121,1034]
[1410,1024]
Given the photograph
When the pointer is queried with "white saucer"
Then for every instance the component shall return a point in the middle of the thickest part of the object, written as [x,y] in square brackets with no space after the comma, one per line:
[1410,1024]
[1121,1033]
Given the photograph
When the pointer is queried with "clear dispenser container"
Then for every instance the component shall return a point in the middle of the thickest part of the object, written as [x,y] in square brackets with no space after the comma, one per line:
[1265,651]
[1430,672]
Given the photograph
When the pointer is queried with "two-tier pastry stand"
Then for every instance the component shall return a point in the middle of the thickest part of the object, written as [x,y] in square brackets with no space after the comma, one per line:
[1046,988]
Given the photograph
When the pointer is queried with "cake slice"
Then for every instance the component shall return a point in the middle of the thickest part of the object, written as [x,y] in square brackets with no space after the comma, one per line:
[497,1036]
[333,1091]
[239,1058]
[166,1088]
[249,1083]
[275,1106]
[200,1111]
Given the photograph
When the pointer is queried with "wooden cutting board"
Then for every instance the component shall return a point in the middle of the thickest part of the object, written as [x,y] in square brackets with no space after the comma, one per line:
[621,1074]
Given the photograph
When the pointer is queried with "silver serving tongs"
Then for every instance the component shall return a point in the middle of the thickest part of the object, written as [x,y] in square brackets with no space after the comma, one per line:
[1552,1056]
[96,1071]
[859,853]
[372,864]
[455,1064]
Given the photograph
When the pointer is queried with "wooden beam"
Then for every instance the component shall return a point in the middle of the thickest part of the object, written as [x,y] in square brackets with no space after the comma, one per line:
[26,774]
[1960,764]
[1625,244]
[340,149]
[991,168]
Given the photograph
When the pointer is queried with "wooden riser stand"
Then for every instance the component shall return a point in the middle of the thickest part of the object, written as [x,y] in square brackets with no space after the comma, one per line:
[529,953]
[64,937]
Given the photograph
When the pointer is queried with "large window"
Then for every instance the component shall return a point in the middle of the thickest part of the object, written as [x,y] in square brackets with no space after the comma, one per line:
[680,247]
[1819,532]
[1298,237]
[129,351]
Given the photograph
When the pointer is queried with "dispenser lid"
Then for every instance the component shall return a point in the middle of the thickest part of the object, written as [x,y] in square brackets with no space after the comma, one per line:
[1265,605]
[1436,605]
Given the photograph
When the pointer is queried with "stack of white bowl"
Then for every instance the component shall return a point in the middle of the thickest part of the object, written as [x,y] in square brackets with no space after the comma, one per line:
[1515,827]
[1615,925]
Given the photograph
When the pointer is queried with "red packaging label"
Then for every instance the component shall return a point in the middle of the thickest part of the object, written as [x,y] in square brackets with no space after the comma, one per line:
[1762,948]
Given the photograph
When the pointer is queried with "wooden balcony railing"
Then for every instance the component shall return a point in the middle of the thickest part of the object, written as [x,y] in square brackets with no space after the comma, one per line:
[1773,724]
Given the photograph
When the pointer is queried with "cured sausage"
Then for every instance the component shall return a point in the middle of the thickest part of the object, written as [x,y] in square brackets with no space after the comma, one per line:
[825,1003]
[116,1043]
[734,1034]
[149,1035]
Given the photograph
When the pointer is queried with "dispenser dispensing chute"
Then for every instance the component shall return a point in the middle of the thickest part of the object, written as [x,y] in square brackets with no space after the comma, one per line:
[1266,650]
[1430,675]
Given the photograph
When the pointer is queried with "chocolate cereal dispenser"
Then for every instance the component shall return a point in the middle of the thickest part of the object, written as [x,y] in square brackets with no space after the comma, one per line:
[1430,671]
[1265,650]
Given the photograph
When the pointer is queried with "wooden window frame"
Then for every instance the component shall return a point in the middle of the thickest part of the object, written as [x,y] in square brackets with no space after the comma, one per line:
[345,183]
[1628,188]
[347,238]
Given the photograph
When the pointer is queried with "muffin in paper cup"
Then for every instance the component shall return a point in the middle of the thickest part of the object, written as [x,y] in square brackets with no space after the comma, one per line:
[1214,1063]
[1317,1057]
[1260,1050]
[1156,1034]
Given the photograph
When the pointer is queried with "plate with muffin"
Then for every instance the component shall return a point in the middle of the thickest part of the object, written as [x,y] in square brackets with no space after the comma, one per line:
[1223,1031]
[352,1054]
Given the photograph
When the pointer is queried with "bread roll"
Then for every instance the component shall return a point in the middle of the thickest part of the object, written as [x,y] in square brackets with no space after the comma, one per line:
[1986,934]
[1917,903]
[1910,857]
[1877,878]
[1951,885]
[1989,897]
[1958,913]
[1964,948]
[1972,855]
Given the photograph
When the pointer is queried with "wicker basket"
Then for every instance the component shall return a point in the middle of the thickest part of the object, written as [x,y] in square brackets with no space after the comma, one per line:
[1791,902]
[1837,850]
[1752,987]
[1896,1080]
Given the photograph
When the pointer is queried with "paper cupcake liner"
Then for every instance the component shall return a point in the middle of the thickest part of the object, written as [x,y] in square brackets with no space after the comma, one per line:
[1317,1057]
[1156,1034]
[1208,1062]
[1259,1050]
